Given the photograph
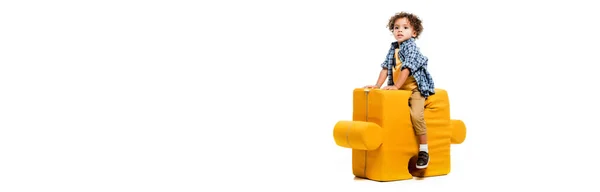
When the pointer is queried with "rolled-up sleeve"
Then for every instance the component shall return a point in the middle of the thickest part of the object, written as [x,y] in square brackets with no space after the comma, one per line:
[384,64]
[388,58]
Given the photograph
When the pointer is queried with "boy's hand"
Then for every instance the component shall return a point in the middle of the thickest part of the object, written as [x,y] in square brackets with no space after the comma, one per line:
[371,87]
[390,88]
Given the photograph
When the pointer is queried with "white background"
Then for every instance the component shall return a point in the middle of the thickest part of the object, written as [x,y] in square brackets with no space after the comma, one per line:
[218,96]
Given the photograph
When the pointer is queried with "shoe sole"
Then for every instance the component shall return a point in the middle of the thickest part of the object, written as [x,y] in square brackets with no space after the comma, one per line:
[423,166]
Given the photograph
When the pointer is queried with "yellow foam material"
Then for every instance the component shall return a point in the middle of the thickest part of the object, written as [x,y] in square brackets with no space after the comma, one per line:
[459,131]
[358,135]
[380,135]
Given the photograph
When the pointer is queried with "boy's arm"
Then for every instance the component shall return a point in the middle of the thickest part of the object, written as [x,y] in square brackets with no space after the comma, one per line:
[403,76]
[385,65]
[382,77]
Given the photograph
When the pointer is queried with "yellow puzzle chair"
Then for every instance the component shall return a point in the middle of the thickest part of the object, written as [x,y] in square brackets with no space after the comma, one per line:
[383,142]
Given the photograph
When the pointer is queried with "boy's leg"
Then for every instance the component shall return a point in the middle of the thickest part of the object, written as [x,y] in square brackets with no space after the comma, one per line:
[417,112]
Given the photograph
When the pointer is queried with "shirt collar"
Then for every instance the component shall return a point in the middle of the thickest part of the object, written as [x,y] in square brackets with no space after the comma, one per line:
[396,45]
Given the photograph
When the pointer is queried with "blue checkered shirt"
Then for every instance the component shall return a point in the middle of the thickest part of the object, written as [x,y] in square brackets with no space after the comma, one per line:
[411,58]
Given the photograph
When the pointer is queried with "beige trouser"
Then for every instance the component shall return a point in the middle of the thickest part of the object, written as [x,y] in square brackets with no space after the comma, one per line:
[416,103]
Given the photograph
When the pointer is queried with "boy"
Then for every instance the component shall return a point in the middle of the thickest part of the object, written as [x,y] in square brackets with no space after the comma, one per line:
[406,69]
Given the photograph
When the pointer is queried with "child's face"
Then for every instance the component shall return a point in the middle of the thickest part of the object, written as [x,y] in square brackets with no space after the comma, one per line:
[402,30]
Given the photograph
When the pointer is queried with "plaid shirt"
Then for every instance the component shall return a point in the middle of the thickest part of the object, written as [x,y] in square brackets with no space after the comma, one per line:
[412,59]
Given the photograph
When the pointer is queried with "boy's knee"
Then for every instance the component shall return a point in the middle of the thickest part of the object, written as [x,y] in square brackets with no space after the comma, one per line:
[420,130]
[418,121]
[417,115]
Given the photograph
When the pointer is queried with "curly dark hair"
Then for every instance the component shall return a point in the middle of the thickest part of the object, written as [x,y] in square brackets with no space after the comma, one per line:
[414,21]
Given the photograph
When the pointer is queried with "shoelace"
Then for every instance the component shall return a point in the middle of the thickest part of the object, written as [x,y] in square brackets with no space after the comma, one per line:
[423,157]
